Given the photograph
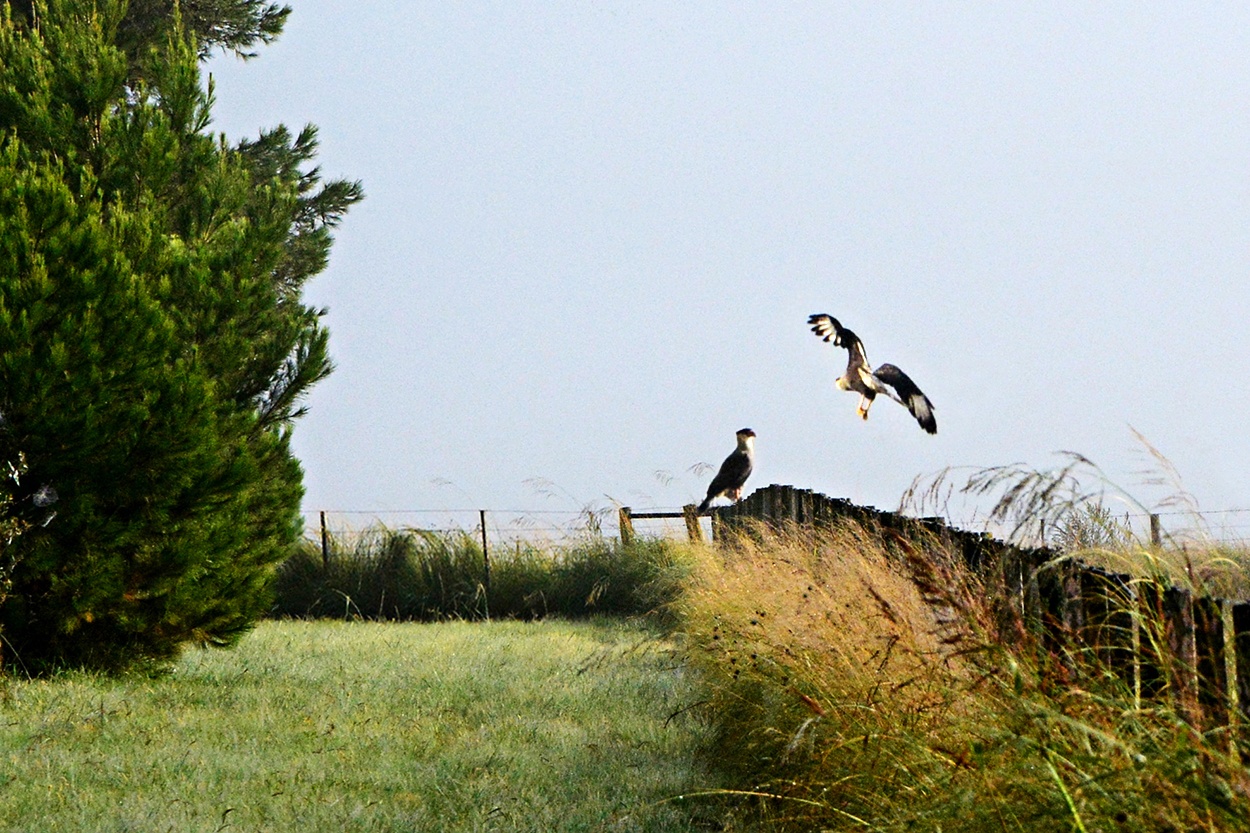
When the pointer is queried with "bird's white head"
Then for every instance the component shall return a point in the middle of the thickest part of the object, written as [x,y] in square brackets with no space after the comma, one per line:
[842,383]
[746,439]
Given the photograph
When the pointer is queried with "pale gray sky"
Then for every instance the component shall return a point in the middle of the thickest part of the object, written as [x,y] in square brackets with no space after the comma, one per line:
[594,232]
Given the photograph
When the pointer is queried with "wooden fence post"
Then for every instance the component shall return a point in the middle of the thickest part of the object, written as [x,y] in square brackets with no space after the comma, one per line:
[1114,636]
[693,529]
[1034,617]
[1136,647]
[325,544]
[1232,685]
[1241,652]
[1156,531]
[1058,598]
[1178,613]
[1209,654]
[1135,617]
[627,525]
[1010,612]
[1152,640]
[1241,633]
[485,563]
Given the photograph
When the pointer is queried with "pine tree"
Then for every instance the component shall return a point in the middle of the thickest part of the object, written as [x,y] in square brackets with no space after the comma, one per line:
[154,347]
[230,25]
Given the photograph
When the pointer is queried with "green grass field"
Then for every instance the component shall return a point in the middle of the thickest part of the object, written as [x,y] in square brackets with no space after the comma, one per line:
[833,679]
[548,726]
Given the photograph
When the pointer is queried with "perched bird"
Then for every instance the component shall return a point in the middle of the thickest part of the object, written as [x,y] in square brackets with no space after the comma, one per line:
[861,378]
[734,472]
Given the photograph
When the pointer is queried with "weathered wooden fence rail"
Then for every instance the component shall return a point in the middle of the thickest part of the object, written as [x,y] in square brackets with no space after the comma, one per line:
[1162,640]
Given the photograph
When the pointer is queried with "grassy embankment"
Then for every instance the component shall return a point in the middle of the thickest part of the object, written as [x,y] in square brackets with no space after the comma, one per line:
[856,683]
[362,726]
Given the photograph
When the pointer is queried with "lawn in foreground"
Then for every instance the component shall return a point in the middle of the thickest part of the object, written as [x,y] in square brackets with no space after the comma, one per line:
[322,726]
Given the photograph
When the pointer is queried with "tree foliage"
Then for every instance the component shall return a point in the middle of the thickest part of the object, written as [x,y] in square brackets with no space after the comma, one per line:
[231,25]
[154,347]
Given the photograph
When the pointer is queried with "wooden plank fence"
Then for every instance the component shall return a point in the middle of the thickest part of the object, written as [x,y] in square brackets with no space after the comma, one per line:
[1162,641]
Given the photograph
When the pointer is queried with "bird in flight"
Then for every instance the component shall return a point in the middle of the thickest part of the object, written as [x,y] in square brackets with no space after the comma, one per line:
[862,379]
[734,472]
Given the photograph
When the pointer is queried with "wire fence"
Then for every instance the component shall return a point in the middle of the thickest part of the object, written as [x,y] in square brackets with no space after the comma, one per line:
[541,528]
[553,528]
[1218,527]
[1221,525]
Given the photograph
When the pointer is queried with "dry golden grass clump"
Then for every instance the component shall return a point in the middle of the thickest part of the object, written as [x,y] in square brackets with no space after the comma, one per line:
[846,608]
[858,680]
[1197,563]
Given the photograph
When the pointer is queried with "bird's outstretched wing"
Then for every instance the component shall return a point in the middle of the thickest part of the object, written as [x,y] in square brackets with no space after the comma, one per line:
[827,328]
[909,394]
[824,325]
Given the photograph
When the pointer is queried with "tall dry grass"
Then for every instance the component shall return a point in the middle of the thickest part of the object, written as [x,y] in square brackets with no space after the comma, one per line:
[1079,510]
[858,681]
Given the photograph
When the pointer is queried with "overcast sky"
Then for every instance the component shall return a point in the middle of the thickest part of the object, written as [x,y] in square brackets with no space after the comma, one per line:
[593,233]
